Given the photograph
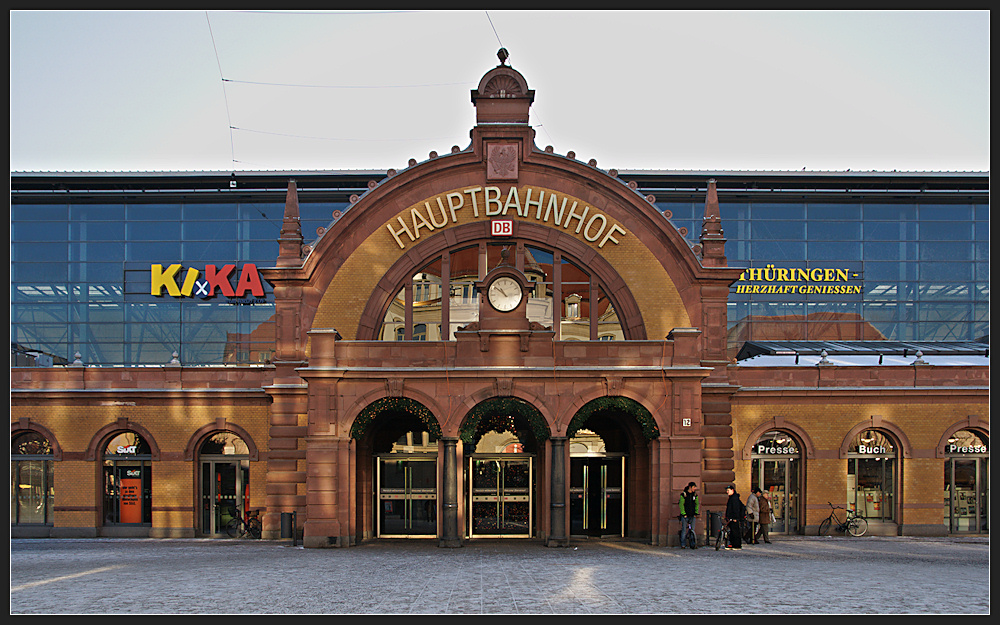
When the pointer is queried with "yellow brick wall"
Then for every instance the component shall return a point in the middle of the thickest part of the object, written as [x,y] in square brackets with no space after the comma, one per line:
[827,424]
[77,483]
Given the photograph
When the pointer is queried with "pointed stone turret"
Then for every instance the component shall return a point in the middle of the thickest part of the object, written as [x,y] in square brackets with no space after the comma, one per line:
[290,239]
[713,244]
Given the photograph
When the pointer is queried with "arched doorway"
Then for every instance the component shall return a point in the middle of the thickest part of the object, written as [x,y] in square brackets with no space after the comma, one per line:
[127,481]
[608,448]
[224,467]
[872,475]
[31,479]
[398,441]
[776,468]
[966,482]
[504,435]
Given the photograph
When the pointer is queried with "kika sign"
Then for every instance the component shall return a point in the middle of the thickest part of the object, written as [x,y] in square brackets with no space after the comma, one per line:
[541,205]
[193,285]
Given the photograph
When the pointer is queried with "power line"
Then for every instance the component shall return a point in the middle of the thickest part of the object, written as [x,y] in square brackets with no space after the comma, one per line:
[232,148]
[280,84]
[281,134]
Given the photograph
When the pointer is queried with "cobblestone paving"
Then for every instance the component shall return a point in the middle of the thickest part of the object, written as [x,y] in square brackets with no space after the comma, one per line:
[793,575]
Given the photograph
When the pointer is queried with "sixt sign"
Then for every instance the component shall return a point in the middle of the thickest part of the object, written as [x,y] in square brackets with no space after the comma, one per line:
[191,283]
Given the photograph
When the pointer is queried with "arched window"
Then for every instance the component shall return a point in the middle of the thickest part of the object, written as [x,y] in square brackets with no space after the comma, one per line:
[224,461]
[776,468]
[872,475]
[440,297]
[31,488]
[128,480]
[966,482]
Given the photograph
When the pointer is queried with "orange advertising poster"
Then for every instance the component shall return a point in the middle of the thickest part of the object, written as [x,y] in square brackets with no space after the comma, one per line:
[130,505]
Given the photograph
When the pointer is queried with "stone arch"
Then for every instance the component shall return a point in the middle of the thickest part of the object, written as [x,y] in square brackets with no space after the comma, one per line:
[208,429]
[25,425]
[779,423]
[515,407]
[367,414]
[971,422]
[626,306]
[877,423]
[94,449]
[641,415]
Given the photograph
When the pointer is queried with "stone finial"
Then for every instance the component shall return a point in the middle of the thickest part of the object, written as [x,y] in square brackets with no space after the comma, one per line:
[290,238]
[713,244]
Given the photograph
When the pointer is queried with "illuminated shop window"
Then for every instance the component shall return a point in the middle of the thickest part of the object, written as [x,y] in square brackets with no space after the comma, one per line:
[31,486]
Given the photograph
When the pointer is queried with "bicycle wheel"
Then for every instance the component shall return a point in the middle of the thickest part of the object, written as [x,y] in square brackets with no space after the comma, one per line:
[721,537]
[824,527]
[857,526]
[233,528]
[253,528]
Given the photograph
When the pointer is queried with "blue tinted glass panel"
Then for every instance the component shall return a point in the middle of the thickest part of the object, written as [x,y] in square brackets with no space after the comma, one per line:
[153,231]
[39,272]
[882,250]
[777,211]
[262,230]
[104,312]
[834,250]
[777,251]
[39,313]
[733,211]
[944,271]
[104,251]
[271,212]
[39,212]
[834,231]
[161,312]
[31,231]
[946,231]
[200,253]
[203,212]
[165,252]
[982,212]
[153,212]
[264,253]
[97,231]
[889,212]
[982,231]
[772,230]
[945,212]
[945,251]
[97,212]
[210,231]
[890,231]
[833,212]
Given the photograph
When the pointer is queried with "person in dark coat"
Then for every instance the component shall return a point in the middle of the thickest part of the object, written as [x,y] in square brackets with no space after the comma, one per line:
[735,511]
[689,514]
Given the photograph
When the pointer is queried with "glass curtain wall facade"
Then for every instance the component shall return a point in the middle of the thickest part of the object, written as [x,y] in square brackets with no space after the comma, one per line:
[81,279]
[824,264]
[901,271]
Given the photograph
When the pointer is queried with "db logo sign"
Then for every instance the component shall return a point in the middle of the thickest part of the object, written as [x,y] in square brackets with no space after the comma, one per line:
[502,227]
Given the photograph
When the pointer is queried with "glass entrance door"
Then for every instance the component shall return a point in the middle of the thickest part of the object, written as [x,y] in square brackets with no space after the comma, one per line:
[501,497]
[407,497]
[780,477]
[223,488]
[597,496]
[966,494]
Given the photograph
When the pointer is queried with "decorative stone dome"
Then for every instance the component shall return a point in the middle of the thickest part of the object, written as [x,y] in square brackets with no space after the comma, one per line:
[503,96]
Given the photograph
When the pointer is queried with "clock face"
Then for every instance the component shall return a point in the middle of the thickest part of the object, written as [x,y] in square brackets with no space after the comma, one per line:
[504,294]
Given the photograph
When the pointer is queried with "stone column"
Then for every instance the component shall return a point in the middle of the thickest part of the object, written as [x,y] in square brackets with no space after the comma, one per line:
[557,495]
[449,535]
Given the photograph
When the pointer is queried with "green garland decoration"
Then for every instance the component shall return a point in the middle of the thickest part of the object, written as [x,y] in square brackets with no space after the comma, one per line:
[394,404]
[498,414]
[616,404]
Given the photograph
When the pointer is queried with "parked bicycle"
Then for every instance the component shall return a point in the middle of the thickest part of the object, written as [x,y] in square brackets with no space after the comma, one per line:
[722,538]
[853,523]
[247,526]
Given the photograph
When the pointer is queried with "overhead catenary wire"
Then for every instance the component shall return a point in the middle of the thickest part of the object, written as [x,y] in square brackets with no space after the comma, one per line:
[229,119]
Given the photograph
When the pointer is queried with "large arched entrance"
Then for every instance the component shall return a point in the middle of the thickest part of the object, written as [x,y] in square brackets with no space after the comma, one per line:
[609,469]
[504,436]
[397,468]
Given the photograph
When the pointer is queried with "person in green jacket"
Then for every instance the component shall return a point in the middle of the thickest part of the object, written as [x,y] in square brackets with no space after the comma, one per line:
[689,515]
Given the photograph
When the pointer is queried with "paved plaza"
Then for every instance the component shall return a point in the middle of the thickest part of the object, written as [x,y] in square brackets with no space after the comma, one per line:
[793,575]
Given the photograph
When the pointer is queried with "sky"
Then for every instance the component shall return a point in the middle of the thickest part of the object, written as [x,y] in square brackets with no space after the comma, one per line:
[369,90]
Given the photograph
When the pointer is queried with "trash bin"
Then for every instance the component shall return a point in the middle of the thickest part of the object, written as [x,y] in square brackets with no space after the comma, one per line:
[287,527]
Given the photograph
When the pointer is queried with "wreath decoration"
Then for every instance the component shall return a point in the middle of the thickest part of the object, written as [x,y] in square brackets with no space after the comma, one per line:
[615,404]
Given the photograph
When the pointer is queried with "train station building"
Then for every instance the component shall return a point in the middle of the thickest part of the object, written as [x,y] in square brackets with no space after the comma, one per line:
[498,341]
